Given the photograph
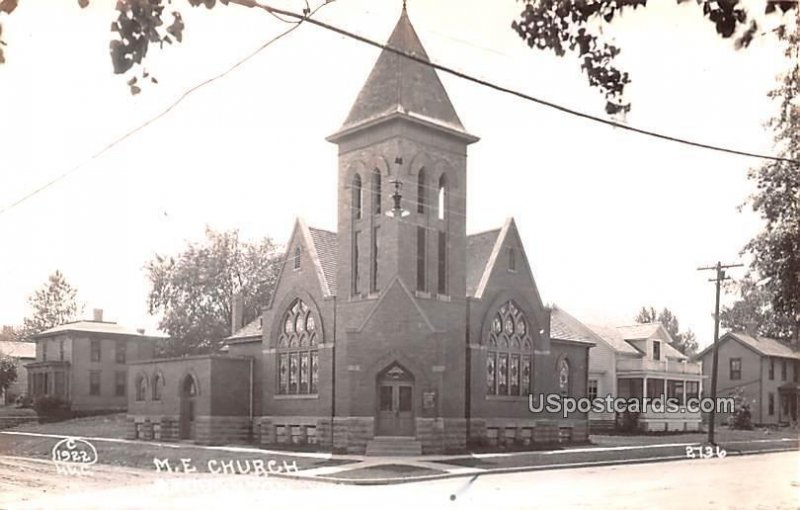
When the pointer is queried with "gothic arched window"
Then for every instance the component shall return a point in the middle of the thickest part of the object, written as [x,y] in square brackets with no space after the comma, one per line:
[358,197]
[158,386]
[376,191]
[298,357]
[421,187]
[563,377]
[509,352]
[442,196]
[141,387]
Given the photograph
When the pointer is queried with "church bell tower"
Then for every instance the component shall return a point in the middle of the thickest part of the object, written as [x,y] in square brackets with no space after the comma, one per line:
[402,138]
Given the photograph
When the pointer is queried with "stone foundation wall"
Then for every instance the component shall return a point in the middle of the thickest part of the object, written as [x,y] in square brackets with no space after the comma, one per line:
[501,432]
[442,435]
[220,430]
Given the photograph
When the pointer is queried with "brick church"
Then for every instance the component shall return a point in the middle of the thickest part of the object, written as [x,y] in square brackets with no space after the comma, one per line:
[399,331]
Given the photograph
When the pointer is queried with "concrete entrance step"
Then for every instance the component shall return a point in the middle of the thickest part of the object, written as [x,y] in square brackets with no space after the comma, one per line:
[390,446]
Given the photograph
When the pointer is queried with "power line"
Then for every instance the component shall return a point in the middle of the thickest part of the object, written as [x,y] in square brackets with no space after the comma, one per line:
[507,90]
[168,109]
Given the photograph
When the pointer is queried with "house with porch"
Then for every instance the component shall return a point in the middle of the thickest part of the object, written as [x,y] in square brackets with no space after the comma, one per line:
[636,361]
[86,363]
[760,371]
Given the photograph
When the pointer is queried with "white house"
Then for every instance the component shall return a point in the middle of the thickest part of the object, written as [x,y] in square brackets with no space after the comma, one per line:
[639,361]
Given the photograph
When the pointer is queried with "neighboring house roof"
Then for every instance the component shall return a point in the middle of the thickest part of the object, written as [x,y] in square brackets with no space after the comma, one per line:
[108,328]
[564,326]
[614,338]
[638,331]
[18,349]
[762,345]
[398,84]
[479,249]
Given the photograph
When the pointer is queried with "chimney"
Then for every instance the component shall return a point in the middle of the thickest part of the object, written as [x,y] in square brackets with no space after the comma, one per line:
[97,315]
[751,328]
[237,313]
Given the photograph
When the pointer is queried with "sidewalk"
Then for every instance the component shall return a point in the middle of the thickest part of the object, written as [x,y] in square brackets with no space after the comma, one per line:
[362,470]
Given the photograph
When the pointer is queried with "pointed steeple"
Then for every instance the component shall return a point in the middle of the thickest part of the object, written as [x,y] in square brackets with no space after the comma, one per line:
[401,86]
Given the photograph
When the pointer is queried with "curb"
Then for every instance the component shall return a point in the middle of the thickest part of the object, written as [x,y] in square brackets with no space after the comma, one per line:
[517,469]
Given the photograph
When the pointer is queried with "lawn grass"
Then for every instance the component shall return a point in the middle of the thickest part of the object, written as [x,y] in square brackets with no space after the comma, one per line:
[387,471]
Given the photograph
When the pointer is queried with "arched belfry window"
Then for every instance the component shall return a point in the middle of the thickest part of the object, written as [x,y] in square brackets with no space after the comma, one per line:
[298,356]
[358,197]
[377,196]
[509,352]
[442,196]
[422,185]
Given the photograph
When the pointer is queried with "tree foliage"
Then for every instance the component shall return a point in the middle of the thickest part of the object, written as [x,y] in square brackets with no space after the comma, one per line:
[193,290]
[8,372]
[53,304]
[770,294]
[576,26]
[684,341]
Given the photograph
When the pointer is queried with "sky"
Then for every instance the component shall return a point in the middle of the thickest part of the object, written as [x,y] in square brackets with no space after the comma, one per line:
[611,220]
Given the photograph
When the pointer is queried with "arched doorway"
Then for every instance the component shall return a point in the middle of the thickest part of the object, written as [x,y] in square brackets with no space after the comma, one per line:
[395,413]
[188,393]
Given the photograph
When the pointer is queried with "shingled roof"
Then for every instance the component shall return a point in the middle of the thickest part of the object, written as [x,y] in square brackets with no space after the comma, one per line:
[479,249]
[398,84]
[326,245]
[763,345]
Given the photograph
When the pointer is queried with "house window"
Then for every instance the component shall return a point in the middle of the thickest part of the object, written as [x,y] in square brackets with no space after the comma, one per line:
[442,196]
[421,187]
[298,363]
[296,258]
[158,386]
[376,191]
[771,404]
[512,259]
[509,353]
[675,390]
[61,350]
[44,350]
[735,369]
[771,369]
[592,390]
[657,351]
[783,370]
[421,259]
[141,387]
[442,273]
[119,355]
[373,287]
[94,382]
[356,275]
[95,350]
[358,197]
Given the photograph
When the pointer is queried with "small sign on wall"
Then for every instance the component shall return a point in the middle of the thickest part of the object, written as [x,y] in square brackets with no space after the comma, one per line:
[429,400]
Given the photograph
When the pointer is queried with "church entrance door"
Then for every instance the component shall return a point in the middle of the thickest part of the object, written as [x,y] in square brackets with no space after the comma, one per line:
[188,393]
[395,402]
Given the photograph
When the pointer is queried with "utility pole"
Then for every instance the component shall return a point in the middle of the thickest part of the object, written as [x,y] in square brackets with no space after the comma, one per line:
[720,269]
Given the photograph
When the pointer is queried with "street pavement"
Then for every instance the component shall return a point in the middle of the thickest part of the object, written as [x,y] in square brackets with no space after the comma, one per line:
[764,481]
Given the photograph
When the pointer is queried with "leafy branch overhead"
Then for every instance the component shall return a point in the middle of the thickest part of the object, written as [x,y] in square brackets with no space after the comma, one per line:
[576,26]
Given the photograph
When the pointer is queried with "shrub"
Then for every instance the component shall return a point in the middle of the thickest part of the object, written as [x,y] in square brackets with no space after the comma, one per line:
[742,418]
[627,421]
[52,409]
[24,401]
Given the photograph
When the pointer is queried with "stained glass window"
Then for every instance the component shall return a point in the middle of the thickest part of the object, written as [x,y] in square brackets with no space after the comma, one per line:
[509,354]
[563,376]
[297,361]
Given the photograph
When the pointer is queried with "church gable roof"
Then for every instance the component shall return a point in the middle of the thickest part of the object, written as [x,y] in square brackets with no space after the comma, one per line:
[479,249]
[398,84]
[326,245]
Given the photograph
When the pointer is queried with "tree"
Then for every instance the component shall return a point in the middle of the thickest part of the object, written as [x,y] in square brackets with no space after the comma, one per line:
[577,26]
[8,373]
[9,334]
[193,291]
[53,304]
[685,342]
[753,312]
